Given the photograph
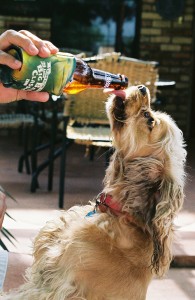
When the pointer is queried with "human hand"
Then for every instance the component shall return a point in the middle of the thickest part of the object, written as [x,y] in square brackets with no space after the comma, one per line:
[3,208]
[33,46]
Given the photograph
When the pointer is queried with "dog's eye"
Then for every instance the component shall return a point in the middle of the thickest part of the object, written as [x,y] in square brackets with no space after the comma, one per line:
[146,114]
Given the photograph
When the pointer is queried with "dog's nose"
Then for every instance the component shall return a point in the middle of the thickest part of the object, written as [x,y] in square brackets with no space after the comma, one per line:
[142,89]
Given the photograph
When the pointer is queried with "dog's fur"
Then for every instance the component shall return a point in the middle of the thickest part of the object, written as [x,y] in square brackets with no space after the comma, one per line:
[113,256]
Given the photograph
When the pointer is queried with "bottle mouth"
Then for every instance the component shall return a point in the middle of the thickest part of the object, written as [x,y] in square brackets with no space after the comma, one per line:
[125,80]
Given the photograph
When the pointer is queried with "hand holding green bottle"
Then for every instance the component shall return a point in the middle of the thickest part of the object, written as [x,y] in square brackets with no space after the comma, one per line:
[48,74]
[55,74]
[33,46]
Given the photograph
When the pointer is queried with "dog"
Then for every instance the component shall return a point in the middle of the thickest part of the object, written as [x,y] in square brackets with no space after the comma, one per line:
[112,248]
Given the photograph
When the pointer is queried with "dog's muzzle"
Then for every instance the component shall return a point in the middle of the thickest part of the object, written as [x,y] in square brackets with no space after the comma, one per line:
[142,89]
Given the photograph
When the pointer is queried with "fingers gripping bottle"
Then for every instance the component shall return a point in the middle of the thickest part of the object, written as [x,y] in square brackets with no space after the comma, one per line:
[56,74]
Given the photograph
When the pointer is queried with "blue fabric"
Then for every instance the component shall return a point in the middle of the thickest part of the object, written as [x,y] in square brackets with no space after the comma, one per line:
[3,266]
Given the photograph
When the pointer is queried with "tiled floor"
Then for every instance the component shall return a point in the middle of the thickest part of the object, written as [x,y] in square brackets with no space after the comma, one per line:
[83,182]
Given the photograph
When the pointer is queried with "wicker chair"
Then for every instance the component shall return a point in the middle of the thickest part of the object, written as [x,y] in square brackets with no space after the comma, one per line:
[85,120]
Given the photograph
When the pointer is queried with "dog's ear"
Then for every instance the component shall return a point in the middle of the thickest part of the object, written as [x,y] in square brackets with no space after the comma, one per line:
[169,203]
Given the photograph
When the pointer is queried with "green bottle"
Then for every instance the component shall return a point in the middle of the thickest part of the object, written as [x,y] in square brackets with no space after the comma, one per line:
[49,74]
[56,74]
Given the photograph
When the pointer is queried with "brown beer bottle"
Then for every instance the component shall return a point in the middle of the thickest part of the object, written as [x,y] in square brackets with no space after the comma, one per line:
[57,73]
[85,77]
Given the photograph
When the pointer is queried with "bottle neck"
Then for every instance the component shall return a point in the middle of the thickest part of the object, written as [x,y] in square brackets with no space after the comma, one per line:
[85,77]
[109,79]
[91,76]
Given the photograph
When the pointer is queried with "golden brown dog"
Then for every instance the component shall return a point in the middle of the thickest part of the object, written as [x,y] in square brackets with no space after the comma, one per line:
[113,251]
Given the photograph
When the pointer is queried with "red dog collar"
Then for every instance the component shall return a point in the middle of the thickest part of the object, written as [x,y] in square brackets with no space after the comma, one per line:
[104,201]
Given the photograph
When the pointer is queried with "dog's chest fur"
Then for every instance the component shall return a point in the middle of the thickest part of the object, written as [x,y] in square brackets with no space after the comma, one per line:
[100,253]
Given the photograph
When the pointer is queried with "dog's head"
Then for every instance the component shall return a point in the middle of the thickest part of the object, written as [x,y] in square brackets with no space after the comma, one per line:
[135,127]
[139,131]
[150,149]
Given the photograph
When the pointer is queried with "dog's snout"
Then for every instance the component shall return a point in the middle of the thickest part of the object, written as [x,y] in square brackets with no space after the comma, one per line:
[142,89]
[119,102]
[150,121]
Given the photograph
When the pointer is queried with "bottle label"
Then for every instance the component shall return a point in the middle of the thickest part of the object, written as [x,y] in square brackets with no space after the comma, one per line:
[39,77]
[108,80]
[49,74]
